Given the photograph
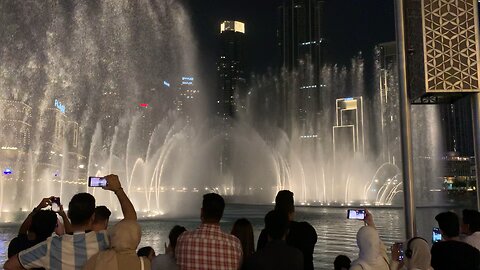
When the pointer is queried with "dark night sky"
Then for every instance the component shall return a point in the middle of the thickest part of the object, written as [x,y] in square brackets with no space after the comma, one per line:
[352,25]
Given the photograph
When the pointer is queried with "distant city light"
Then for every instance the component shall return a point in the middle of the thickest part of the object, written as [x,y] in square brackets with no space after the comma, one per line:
[312,42]
[308,86]
[7,171]
[233,26]
[9,148]
[167,84]
[60,106]
[144,105]
[308,136]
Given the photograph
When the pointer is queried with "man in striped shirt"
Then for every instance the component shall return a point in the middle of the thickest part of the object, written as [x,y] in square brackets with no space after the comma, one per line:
[71,251]
[208,247]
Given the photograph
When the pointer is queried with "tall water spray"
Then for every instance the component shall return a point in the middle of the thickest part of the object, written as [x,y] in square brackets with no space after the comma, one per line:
[89,87]
[69,71]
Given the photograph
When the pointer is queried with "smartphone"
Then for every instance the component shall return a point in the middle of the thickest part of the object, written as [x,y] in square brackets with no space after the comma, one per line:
[436,235]
[56,204]
[97,181]
[401,252]
[356,214]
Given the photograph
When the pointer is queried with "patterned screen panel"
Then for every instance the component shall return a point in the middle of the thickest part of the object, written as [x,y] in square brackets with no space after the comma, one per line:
[450,45]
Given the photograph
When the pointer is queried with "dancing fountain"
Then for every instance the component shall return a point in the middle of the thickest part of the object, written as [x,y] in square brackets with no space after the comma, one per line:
[90,88]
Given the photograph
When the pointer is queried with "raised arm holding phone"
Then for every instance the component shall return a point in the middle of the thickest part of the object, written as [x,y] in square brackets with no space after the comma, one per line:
[113,184]
[373,254]
[38,226]
[124,236]
[58,252]
[28,221]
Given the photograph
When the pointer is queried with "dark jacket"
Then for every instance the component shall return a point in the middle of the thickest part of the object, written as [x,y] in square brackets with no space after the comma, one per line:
[301,235]
[275,255]
[454,255]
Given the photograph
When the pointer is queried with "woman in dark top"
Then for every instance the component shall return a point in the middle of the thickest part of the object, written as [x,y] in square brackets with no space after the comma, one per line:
[243,230]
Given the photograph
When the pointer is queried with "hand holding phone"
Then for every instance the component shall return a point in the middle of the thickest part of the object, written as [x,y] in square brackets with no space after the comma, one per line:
[358,214]
[109,182]
[397,251]
[55,203]
[44,203]
[113,183]
[436,235]
[94,181]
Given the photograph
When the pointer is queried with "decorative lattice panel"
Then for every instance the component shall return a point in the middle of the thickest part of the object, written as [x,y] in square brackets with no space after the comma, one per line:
[450,45]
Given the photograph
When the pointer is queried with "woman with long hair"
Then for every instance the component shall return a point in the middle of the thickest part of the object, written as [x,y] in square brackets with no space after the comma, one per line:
[243,230]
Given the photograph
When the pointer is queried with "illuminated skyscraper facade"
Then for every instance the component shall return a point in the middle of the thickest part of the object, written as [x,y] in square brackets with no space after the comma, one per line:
[187,96]
[301,44]
[230,67]
[110,110]
[348,133]
[15,119]
[388,106]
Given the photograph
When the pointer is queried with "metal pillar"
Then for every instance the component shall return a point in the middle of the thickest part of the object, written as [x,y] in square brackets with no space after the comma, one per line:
[405,123]
[475,99]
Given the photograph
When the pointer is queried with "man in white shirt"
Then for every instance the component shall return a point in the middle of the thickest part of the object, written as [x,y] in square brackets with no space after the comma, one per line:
[471,227]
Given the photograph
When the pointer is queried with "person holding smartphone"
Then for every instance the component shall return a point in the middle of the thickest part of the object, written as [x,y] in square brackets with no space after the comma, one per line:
[64,225]
[373,254]
[38,226]
[451,253]
[412,255]
[124,236]
[62,252]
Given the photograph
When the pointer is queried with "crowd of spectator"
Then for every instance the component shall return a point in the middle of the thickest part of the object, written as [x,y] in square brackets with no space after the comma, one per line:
[83,239]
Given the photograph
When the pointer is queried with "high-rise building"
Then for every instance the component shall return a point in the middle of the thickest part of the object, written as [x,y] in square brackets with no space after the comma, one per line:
[349,129]
[15,140]
[388,105]
[187,96]
[15,119]
[230,66]
[301,42]
[457,126]
[110,110]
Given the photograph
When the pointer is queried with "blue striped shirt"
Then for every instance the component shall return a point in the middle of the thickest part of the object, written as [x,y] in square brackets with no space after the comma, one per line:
[67,252]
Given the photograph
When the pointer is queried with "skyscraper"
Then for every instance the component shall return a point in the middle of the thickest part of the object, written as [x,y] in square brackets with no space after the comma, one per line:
[187,97]
[388,106]
[349,120]
[230,66]
[457,127]
[301,44]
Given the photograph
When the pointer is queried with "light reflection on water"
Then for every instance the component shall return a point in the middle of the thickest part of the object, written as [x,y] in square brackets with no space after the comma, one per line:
[336,234]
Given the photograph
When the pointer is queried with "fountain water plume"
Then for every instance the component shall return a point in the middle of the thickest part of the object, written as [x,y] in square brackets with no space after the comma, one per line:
[98,60]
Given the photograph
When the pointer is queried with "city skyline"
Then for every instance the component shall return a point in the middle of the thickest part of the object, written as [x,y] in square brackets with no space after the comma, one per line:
[347,104]
[141,87]
[348,20]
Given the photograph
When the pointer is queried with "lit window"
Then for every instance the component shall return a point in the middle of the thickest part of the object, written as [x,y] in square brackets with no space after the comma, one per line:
[233,26]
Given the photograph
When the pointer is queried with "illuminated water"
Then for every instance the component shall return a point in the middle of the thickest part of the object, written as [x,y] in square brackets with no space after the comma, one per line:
[77,72]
